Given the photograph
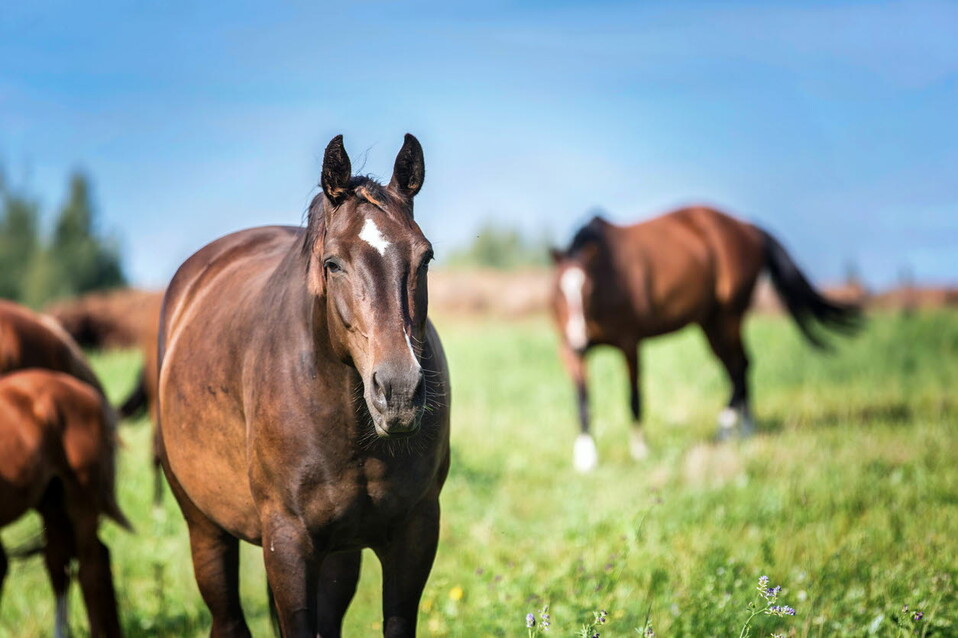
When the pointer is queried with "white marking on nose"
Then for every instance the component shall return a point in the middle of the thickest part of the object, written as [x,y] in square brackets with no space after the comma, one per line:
[571,284]
[411,351]
[372,236]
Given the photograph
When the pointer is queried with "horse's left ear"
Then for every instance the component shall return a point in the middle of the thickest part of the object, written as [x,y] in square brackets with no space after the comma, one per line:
[410,169]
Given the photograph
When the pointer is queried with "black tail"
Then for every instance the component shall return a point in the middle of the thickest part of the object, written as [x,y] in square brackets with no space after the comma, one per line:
[135,404]
[806,305]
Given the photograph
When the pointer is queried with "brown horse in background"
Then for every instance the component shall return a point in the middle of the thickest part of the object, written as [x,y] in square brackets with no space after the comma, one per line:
[122,319]
[304,404]
[57,455]
[31,340]
[617,285]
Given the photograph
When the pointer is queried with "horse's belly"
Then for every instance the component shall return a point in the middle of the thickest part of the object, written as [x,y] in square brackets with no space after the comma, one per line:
[204,440]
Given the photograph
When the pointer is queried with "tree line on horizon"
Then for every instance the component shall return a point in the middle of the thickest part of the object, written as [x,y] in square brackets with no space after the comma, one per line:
[74,258]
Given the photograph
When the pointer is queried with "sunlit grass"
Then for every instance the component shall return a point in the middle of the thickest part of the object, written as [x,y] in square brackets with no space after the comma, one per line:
[848,495]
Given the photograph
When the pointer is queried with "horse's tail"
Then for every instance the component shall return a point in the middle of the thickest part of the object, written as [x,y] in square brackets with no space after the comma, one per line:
[135,403]
[806,305]
[107,497]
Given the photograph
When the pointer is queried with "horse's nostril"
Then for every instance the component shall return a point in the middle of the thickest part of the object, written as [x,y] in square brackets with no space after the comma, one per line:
[381,390]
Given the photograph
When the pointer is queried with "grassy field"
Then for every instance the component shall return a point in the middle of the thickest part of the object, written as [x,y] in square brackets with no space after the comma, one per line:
[847,497]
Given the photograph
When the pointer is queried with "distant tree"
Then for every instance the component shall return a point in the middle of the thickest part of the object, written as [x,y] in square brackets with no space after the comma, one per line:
[18,240]
[76,258]
[85,261]
[503,248]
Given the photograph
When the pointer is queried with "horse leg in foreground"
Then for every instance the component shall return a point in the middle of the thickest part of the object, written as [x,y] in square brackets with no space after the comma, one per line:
[297,411]
[57,436]
[406,561]
[335,588]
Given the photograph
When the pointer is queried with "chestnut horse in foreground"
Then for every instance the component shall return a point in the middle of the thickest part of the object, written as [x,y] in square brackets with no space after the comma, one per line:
[57,455]
[304,404]
[617,285]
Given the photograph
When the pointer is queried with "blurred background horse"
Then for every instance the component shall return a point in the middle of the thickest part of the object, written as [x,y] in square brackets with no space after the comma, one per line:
[58,456]
[617,285]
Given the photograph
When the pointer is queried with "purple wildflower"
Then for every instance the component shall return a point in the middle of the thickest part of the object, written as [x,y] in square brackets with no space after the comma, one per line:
[763,582]
[530,620]
[918,615]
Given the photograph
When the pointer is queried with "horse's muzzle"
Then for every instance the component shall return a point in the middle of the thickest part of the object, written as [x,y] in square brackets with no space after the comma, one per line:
[396,399]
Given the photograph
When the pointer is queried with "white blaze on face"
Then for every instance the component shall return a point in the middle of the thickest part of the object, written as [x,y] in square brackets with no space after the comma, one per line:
[571,283]
[371,235]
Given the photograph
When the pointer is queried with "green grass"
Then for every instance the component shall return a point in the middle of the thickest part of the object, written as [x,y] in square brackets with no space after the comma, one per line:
[848,495]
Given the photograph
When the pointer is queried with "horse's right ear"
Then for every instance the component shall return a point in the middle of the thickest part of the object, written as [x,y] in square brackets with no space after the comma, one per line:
[556,254]
[337,171]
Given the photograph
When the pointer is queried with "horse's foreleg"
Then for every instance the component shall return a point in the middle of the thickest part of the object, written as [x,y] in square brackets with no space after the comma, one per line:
[637,445]
[585,456]
[406,562]
[338,577]
[291,561]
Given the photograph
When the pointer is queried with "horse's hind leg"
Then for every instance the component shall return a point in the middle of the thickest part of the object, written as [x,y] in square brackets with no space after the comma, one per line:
[58,551]
[215,567]
[96,578]
[637,445]
[338,577]
[724,334]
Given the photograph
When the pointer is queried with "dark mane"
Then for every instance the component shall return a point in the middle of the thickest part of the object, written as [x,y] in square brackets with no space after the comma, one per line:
[592,233]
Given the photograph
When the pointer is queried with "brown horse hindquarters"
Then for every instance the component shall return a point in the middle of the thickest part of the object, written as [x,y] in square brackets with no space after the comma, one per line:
[686,267]
[57,455]
[31,340]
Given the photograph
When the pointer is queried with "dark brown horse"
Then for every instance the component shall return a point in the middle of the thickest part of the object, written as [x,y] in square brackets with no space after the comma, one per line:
[57,455]
[617,285]
[304,404]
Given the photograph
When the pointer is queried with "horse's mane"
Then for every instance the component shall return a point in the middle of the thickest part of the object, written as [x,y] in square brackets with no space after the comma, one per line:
[592,233]
[361,186]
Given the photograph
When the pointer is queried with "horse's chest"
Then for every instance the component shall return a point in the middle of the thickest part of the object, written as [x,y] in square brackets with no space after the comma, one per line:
[359,510]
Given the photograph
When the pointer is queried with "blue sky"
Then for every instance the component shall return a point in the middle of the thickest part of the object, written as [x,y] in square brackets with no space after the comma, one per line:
[834,125]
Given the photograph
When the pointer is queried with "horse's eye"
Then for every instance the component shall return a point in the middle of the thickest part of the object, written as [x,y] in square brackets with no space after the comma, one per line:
[333,266]
[424,264]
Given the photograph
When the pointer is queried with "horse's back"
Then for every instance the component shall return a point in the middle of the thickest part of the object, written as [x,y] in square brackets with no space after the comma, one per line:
[694,260]
[221,260]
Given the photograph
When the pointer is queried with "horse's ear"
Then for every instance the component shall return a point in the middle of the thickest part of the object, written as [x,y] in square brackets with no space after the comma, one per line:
[410,169]
[556,254]
[337,171]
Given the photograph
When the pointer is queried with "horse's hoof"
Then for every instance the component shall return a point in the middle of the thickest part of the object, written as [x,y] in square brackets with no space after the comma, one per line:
[637,447]
[584,455]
